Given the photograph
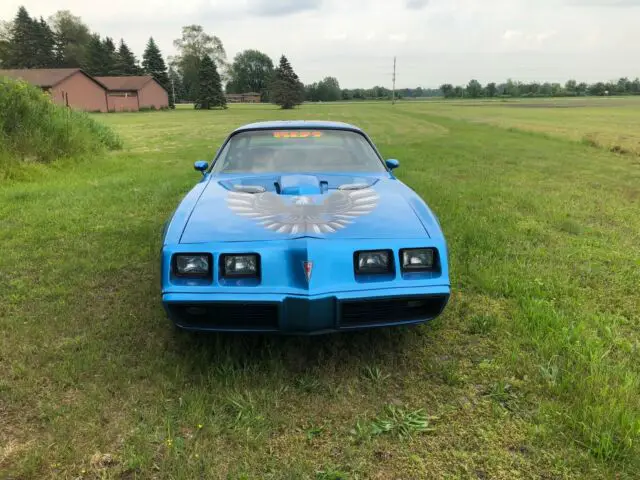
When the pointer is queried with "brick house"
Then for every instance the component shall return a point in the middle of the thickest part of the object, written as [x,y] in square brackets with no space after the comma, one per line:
[133,93]
[67,86]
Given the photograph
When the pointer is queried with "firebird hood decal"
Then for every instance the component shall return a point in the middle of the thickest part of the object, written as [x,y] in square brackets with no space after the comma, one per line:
[380,210]
[302,214]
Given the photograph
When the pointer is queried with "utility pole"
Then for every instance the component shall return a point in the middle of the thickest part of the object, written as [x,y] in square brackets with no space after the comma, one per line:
[173,91]
[393,94]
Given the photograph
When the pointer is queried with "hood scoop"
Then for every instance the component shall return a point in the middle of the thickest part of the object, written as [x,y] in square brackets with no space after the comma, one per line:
[301,185]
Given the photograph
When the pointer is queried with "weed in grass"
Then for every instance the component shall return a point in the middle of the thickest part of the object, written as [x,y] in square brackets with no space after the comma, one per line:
[313,431]
[375,375]
[242,407]
[332,474]
[402,423]
[503,394]
[482,324]
[308,383]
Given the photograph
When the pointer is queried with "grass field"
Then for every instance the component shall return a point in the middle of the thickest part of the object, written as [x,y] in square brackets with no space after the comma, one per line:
[532,372]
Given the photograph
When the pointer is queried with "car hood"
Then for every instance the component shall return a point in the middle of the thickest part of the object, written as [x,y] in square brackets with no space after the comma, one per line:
[262,208]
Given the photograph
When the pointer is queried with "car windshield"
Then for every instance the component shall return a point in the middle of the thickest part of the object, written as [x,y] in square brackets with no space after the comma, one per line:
[298,151]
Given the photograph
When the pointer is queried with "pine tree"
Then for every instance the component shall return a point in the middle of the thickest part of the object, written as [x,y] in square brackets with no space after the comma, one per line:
[286,89]
[44,44]
[97,57]
[153,64]
[111,57]
[21,50]
[126,62]
[210,94]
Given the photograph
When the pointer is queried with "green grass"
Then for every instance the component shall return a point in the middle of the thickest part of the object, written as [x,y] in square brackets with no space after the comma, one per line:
[532,372]
[34,129]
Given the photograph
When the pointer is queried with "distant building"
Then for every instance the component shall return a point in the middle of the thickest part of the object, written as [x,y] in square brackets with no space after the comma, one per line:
[134,93]
[251,97]
[67,86]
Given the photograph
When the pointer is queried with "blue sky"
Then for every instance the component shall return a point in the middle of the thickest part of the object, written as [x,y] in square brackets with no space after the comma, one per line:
[436,41]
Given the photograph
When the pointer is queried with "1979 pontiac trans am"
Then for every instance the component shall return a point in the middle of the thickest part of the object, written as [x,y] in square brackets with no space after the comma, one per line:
[300,227]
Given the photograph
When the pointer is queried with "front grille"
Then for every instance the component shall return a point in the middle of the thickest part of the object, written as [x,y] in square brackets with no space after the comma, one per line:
[396,310]
[226,316]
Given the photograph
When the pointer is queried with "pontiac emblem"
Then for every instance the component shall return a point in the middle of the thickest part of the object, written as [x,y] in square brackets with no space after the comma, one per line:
[308,267]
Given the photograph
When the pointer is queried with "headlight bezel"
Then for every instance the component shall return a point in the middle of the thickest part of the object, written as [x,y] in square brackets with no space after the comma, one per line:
[421,268]
[390,265]
[178,273]
[223,268]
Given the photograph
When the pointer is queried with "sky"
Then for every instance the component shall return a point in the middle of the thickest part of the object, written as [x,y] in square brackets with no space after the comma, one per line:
[435,41]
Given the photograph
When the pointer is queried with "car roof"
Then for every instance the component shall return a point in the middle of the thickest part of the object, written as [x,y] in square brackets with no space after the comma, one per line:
[295,124]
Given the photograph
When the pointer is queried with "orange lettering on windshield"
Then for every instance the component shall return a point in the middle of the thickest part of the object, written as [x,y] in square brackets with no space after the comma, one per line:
[297,134]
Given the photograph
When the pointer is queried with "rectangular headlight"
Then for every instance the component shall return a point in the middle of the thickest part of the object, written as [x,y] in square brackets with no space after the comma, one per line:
[418,259]
[374,261]
[245,265]
[192,264]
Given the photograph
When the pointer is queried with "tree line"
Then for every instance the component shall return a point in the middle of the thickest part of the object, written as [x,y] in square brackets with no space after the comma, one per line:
[199,69]
[64,41]
[511,88]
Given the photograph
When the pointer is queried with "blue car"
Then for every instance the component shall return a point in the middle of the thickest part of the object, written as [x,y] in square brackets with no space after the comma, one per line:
[300,227]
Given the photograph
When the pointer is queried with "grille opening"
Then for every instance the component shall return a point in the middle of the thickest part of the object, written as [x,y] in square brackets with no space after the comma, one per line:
[226,316]
[397,310]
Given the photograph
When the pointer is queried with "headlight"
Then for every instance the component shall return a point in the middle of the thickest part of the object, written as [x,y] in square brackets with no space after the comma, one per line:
[375,261]
[418,259]
[246,265]
[192,265]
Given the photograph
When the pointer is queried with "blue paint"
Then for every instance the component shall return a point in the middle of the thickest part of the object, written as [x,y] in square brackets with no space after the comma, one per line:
[205,221]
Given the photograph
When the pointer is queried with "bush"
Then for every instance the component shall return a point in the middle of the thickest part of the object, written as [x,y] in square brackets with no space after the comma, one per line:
[33,128]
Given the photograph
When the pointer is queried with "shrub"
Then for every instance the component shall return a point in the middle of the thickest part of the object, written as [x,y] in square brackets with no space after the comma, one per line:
[34,128]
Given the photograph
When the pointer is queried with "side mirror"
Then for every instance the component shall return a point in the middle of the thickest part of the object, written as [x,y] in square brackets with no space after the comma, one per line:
[392,163]
[201,166]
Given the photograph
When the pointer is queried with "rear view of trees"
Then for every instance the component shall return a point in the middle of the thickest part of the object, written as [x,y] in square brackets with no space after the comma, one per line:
[153,64]
[28,43]
[210,94]
[251,71]
[287,90]
[327,90]
[192,47]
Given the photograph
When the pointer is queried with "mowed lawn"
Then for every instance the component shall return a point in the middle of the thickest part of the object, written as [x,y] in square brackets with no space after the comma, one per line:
[532,372]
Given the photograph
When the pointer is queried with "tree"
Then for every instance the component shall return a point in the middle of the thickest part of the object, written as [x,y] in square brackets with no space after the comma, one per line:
[447,90]
[474,89]
[97,58]
[72,39]
[210,93]
[5,36]
[111,57]
[581,88]
[328,90]
[251,71]
[192,47]
[153,64]
[287,90]
[571,87]
[126,62]
[491,89]
[45,43]
[21,49]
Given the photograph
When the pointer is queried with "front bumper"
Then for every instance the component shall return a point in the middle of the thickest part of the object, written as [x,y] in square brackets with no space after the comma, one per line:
[305,314]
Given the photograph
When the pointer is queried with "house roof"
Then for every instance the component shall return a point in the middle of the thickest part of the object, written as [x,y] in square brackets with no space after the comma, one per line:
[41,77]
[125,83]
